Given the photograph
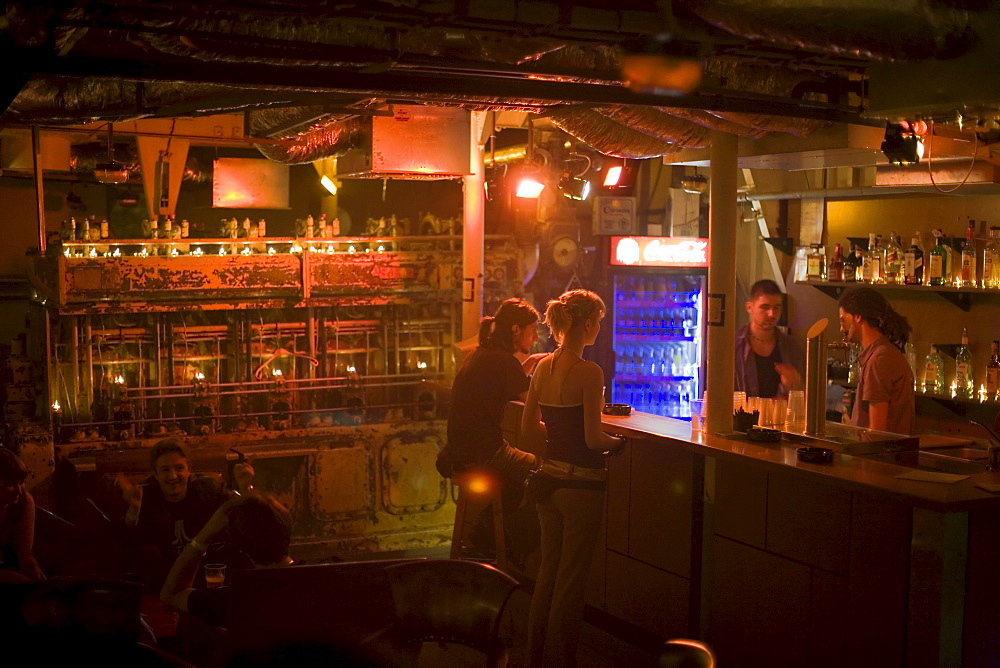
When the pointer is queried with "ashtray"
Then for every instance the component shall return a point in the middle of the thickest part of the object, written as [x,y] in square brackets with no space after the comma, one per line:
[763,434]
[617,409]
[815,455]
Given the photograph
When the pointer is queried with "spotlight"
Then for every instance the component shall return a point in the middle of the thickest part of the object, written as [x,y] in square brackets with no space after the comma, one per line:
[695,184]
[529,187]
[574,187]
[619,180]
[329,184]
[901,146]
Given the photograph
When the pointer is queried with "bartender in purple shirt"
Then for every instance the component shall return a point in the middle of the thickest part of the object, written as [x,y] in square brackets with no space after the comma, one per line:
[885,388]
[768,362]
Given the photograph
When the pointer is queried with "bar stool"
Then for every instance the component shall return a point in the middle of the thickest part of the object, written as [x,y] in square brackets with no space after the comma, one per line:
[478,487]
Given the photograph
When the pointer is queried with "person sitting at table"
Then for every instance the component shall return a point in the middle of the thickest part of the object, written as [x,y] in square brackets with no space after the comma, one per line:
[258,526]
[167,508]
[17,523]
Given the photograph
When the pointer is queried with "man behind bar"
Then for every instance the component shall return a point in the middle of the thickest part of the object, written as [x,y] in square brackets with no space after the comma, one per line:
[768,362]
[885,387]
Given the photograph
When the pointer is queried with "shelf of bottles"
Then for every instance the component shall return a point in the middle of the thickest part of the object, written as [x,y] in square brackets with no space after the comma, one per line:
[657,343]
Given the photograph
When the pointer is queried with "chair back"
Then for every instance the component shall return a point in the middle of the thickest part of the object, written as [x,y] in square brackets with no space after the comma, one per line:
[684,653]
[450,601]
[341,604]
[90,610]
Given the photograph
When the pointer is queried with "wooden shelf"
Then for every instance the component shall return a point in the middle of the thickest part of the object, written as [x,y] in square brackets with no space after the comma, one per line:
[960,297]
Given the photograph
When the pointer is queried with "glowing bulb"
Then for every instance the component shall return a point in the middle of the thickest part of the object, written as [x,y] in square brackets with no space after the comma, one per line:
[270,250]
[351,369]
[143,253]
[350,249]
[222,250]
[120,379]
[381,248]
[296,248]
[68,253]
[93,252]
[116,253]
[174,252]
[276,372]
[421,365]
[329,250]
[982,393]
[198,375]
[246,251]
[529,188]
[56,407]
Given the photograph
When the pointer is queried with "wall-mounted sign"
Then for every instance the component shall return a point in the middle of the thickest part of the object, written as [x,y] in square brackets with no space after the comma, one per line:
[614,215]
[659,252]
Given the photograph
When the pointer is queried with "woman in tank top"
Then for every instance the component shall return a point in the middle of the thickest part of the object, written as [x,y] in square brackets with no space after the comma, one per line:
[564,403]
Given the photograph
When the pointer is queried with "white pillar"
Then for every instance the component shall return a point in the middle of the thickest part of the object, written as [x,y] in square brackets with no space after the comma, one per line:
[722,217]
[473,222]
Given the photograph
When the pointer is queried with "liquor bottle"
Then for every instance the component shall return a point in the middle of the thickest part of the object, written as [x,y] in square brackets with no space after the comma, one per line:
[964,384]
[105,229]
[168,228]
[815,262]
[934,372]
[836,272]
[871,268]
[892,269]
[913,263]
[852,264]
[323,232]
[968,278]
[911,359]
[991,260]
[993,372]
[261,228]
[335,228]
[938,261]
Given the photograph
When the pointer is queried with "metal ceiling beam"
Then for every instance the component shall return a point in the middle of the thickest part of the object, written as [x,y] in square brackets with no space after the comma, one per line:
[456,87]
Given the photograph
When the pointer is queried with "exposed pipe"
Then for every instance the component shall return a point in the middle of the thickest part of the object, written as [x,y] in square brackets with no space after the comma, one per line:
[473,222]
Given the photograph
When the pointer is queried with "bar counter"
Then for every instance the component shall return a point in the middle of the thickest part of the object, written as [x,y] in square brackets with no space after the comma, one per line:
[849,472]
[779,562]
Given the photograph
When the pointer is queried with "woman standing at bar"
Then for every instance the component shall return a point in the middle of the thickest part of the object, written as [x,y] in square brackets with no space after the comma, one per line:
[564,403]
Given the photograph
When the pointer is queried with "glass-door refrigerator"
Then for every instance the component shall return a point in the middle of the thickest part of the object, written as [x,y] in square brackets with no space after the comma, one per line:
[657,322]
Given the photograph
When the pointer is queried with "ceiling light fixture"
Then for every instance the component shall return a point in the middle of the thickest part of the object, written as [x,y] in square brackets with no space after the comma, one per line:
[901,145]
[111,171]
[573,185]
[529,182]
[696,184]
[619,179]
[329,184]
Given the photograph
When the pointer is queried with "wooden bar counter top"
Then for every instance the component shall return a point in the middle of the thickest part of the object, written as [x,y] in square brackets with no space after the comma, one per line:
[778,562]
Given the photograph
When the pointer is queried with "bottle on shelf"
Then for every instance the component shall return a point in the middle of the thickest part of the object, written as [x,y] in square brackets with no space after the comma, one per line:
[105,229]
[967,277]
[913,263]
[892,269]
[836,273]
[852,263]
[991,260]
[911,359]
[815,263]
[964,383]
[993,372]
[871,267]
[934,372]
[938,261]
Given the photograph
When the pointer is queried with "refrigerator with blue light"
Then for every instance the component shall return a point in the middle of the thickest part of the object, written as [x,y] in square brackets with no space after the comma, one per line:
[658,322]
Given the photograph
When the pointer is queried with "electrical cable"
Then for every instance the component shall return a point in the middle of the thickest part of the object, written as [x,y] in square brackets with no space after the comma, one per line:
[975,148]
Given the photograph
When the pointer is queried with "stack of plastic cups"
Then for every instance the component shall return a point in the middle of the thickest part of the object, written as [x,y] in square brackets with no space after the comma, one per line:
[739,401]
[796,414]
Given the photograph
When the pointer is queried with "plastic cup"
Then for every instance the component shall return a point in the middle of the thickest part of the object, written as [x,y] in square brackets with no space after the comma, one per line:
[215,575]
[796,415]
[697,415]
[739,400]
[766,412]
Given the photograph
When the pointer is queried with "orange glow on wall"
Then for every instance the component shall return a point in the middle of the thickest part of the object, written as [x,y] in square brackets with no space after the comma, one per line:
[249,183]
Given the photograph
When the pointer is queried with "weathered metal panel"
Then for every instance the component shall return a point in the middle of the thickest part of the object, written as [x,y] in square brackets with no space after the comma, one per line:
[341,483]
[410,481]
[178,278]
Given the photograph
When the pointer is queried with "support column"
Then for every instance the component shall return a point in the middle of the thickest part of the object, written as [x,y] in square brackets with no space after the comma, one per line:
[721,307]
[473,223]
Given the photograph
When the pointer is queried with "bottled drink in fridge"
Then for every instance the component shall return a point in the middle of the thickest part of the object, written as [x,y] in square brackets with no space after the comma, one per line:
[967,277]
[836,272]
[913,263]
[938,261]
[964,383]
[852,265]
[934,372]
[991,260]
[993,372]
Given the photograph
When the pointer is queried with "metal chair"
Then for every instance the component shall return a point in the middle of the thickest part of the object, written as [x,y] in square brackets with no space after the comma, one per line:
[448,601]
[684,653]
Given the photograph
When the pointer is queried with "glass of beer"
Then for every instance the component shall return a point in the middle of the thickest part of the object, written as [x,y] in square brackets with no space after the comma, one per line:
[215,575]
